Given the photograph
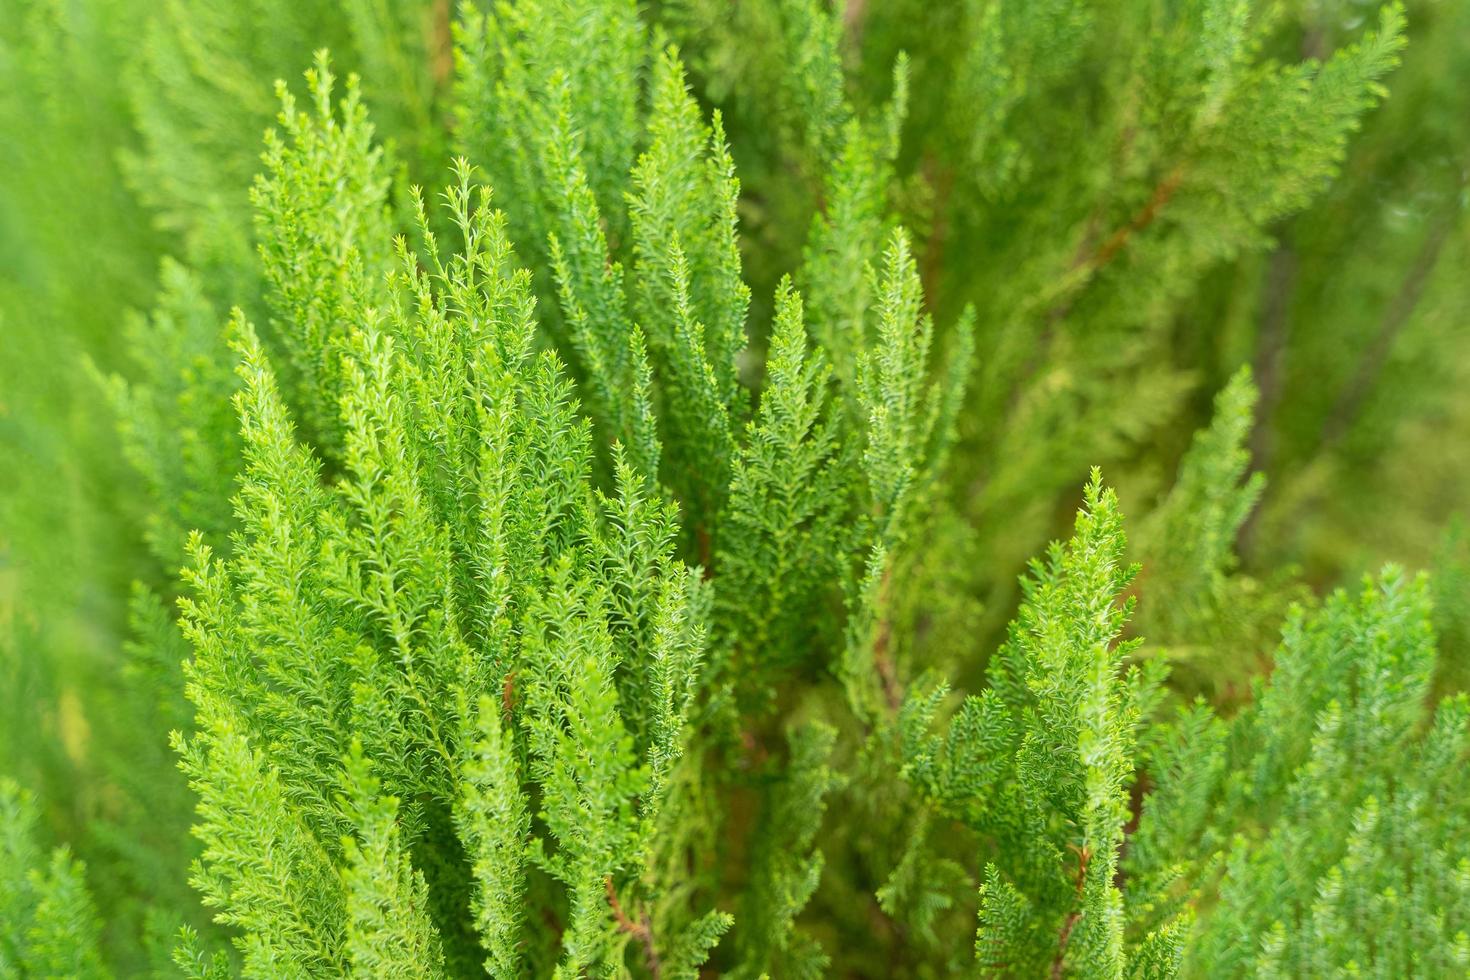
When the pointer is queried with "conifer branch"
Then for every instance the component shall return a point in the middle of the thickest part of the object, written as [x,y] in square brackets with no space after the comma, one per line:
[639,930]
[1064,935]
[1370,362]
[1145,216]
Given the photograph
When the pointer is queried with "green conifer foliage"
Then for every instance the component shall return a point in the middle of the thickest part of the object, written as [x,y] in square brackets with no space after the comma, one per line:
[566,559]
[1040,765]
[50,922]
[1322,811]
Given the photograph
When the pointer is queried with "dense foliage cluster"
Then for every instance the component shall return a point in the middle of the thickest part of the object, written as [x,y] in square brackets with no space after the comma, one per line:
[574,498]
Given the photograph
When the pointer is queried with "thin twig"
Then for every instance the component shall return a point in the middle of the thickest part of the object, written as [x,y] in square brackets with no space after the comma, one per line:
[1268,367]
[508,695]
[1089,261]
[705,544]
[1146,216]
[882,640]
[931,264]
[1350,401]
[441,43]
[1084,855]
[640,930]
[853,14]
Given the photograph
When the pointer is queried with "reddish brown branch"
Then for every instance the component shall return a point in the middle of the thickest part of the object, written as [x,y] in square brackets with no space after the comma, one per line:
[441,43]
[706,550]
[640,930]
[756,753]
[853,13]
[1094,260]
[882,641]
[931,263]
[508,695]
[1146,215]
[1058,963]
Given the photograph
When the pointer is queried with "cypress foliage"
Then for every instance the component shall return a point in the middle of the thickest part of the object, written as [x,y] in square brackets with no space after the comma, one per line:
[51,924]
[622,549]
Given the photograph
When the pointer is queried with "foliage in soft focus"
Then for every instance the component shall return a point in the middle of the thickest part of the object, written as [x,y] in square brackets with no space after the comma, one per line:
[551,488]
